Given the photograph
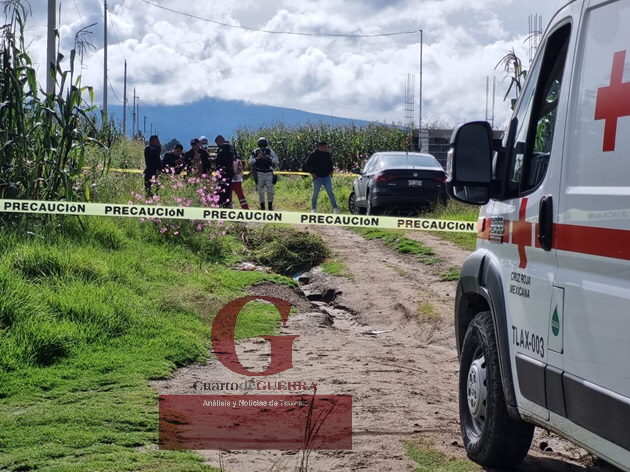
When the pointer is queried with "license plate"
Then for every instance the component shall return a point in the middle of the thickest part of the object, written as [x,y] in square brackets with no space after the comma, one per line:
[415,183]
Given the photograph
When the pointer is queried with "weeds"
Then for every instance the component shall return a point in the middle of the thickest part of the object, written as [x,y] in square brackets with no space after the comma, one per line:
[311,430]
[430,459]
[450,275]
[285,250]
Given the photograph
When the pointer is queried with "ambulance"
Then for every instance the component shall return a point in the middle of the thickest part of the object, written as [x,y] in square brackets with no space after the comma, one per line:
[542,310]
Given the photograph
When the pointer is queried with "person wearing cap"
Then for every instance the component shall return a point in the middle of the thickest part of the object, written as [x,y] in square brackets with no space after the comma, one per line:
[320,165]
[196,160]
[203,143]
[224,164]
[152,162]
[262,161]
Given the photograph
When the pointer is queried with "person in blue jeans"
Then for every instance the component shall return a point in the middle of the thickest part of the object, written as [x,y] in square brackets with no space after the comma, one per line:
[320,165]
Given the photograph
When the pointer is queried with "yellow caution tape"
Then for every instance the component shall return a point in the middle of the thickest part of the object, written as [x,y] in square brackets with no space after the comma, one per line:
[281,172]
[220,214]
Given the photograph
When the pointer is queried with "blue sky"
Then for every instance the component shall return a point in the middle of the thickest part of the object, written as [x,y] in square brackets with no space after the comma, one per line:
[183,52]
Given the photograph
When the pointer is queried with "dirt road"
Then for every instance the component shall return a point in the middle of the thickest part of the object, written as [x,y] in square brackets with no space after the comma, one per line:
[383,334]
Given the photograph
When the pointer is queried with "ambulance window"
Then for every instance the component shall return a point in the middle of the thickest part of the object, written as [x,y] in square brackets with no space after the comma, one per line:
[535,118]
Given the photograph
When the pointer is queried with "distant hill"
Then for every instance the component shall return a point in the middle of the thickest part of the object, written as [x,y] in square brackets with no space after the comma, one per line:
[211,117]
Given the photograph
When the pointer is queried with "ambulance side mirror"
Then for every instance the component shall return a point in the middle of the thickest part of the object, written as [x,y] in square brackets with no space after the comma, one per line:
[469,164]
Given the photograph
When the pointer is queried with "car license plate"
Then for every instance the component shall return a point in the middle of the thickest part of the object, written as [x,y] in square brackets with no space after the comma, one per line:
[415,183]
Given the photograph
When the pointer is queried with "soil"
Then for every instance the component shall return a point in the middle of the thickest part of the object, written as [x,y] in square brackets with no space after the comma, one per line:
[382,333]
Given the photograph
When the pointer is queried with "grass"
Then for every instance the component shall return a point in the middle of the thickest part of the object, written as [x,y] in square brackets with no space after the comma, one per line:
[89,314]
[396,240]
[284,249]
[337,268]
[430,459]
[427,312]
[294,192]
[456,211]
[450,275]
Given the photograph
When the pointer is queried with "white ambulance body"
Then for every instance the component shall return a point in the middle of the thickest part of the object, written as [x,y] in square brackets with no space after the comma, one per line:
[542,312]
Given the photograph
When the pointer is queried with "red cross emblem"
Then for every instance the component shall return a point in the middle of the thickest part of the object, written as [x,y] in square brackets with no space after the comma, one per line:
[613,101]
[522,234]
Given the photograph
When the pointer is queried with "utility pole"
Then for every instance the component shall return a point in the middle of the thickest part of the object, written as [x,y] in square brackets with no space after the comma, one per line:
[144,129]
[420,107]
[124,130]
[50,54]
[105,119]
[136,115]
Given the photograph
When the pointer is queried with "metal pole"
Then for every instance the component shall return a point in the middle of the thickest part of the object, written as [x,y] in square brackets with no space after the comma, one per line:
[50,55]
[420,107]
[105,119]
[124,130]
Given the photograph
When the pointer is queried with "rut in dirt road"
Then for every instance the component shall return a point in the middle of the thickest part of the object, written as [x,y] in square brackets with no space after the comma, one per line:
[383,335]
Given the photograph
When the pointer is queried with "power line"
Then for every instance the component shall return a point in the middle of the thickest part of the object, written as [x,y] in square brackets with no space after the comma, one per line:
[246,28]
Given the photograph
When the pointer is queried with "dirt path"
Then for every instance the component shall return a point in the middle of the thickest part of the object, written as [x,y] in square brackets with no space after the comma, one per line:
[384,335]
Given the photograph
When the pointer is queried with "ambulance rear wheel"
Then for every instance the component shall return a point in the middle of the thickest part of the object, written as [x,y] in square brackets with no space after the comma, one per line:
[491,437]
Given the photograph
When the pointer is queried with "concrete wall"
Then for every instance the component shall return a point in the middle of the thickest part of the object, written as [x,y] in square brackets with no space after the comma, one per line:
[438,141]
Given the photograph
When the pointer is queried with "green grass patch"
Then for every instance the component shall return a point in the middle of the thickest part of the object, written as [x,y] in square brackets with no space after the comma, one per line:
[427,313]
[336,268]
[294,192]
[430,459]
[451,274]
[89,313]
[396,240]
[457,211]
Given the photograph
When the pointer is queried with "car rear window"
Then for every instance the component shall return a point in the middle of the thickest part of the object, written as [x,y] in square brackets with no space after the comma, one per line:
[394,160]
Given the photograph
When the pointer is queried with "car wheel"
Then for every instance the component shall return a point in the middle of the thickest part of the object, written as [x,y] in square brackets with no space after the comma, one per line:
[352,204]
[371,209]
[491,437]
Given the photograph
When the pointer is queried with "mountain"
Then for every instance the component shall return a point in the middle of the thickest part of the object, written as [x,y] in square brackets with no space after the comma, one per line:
[211,117]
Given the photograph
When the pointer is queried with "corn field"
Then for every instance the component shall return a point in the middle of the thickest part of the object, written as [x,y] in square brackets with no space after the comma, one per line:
[43,136]
[350,145]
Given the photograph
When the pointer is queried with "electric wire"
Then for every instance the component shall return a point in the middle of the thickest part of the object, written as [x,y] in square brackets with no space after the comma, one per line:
[295,33]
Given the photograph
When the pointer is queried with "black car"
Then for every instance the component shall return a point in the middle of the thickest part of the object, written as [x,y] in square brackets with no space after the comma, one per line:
[397,180]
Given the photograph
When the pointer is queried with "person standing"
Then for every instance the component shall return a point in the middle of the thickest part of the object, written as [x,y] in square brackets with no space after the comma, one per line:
[320,165]
[262,161]
[196,160]
[237,184]
[152,161]
[224,164]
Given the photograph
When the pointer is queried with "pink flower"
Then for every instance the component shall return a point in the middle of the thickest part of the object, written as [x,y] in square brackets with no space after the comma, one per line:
[163,230]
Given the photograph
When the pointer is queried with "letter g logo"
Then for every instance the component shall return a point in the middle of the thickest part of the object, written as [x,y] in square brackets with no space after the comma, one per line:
[223,338]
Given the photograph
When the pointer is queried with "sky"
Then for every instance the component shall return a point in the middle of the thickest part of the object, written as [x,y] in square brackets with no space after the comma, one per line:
[182,52]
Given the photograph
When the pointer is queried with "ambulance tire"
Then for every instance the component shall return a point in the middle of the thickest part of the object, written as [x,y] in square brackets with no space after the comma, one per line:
[491,437]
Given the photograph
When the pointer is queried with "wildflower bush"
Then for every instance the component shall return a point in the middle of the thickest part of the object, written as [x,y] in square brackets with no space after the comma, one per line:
[181,190]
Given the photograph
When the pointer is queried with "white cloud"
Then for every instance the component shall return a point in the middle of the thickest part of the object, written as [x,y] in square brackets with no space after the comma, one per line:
[173,58]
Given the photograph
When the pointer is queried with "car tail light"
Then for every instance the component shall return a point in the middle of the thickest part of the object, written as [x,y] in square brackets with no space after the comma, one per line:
[440,178]
[384,178]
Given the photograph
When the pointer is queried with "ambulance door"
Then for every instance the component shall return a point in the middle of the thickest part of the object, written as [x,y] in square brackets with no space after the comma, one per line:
[593,233]
[528,262]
